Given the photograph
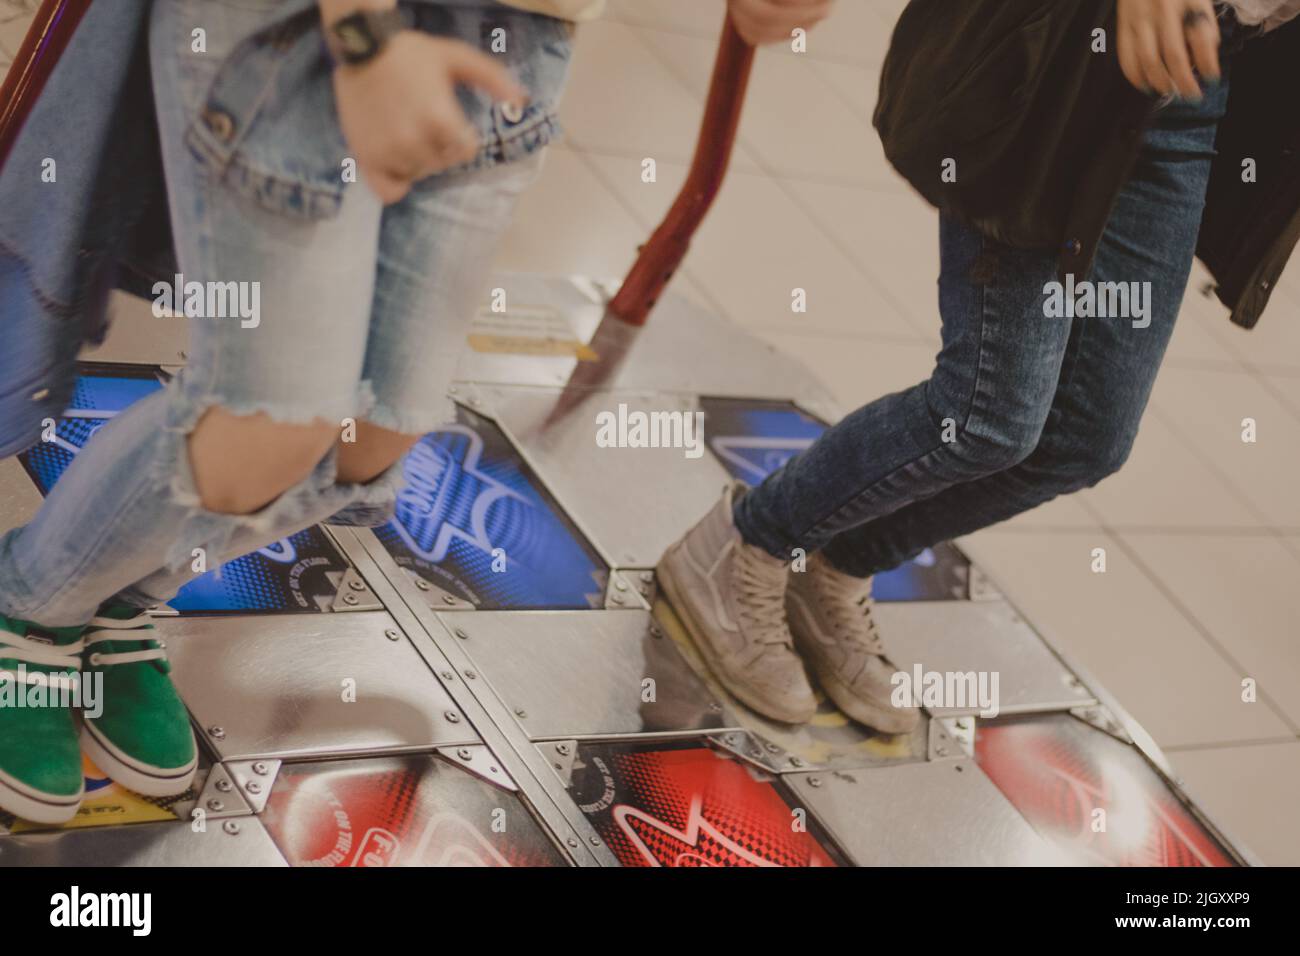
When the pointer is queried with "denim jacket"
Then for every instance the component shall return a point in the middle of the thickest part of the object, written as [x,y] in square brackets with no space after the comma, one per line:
[102,222]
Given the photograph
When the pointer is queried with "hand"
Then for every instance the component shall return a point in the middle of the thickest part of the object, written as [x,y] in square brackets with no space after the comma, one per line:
[399,112]
[1160,40]
[771,21]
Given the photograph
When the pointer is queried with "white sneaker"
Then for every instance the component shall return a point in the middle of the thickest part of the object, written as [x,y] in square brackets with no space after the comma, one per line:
[830,618]
[731,597]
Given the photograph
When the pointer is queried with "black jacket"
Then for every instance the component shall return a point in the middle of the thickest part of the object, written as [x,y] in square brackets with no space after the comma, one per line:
[1045,131]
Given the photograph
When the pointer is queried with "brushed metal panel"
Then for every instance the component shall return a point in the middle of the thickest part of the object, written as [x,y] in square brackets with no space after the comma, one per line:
[239,841]
[566,674]
[946,813]
[275,685]
[984,637]
[631,502]
[682,348]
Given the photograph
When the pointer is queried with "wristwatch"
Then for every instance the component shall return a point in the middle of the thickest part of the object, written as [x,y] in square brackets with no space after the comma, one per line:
[360,37]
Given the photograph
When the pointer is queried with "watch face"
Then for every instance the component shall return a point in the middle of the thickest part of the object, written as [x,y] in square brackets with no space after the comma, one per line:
[354,37]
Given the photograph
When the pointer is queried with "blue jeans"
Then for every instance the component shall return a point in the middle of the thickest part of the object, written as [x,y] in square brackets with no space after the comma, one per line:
[360,309]
[1024,404]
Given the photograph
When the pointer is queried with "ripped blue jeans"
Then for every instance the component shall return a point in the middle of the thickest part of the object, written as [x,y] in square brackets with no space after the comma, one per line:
[361,309]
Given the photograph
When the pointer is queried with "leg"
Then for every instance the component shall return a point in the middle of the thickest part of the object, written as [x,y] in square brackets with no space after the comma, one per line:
[982,410]
[1110,366]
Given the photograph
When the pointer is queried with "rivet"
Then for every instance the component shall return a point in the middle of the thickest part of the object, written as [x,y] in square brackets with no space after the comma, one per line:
[216,805]
[470,675]
[392,634]
[814,781]
[217,733]
[350,598]
[562,749]
[357,584]
[253,786]
[261,768]
[460,632]
[571,841]
[231,827]
[40,395]
[224,785]
[520,712]
[221,124]
[448,599]
[422,584]
[452,717]
[464,753]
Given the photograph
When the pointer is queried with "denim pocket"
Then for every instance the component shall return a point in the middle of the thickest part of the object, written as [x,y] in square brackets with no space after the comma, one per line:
[268,127]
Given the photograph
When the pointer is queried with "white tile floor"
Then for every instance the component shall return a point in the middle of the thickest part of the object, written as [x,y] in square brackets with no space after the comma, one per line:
[1202,531]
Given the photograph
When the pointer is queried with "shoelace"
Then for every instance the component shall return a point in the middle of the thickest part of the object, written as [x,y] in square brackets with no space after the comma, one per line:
[31,651]
[110,629]
[848,602]
[761,596]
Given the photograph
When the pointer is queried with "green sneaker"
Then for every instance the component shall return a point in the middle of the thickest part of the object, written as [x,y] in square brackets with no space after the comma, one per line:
[40,763]
[142,737]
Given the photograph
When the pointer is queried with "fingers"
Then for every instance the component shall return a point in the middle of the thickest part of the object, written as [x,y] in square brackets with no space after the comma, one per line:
[1154,75]
[1172,34]
[1203,41]
[1163,44]
[475,68]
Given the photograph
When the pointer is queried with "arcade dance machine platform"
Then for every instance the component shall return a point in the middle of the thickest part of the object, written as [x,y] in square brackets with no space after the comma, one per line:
[492,679]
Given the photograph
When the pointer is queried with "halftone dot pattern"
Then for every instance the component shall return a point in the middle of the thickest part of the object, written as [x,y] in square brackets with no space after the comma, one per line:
[547,563]
[1057,771]
[690,806]
[399,811]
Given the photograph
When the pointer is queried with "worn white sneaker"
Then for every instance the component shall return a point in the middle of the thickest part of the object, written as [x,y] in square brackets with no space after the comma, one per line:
[731,597]
[830,618]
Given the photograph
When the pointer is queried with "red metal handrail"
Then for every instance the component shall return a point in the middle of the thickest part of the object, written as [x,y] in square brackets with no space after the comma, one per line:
[660,257]
[46,39]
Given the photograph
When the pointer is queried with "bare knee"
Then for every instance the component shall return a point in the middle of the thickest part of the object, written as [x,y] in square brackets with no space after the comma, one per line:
[372,452]
[242,463]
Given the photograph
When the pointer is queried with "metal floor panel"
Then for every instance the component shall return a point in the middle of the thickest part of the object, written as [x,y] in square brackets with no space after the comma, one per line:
[632,502]
[722,359]
[275,685]
[984,637]
[238,841]
[942,813]
[570,674]
[411,810]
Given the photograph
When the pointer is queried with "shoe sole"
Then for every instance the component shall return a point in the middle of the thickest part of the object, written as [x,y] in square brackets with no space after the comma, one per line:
[36,806]
[694,631]
[887,720]
[144,779]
